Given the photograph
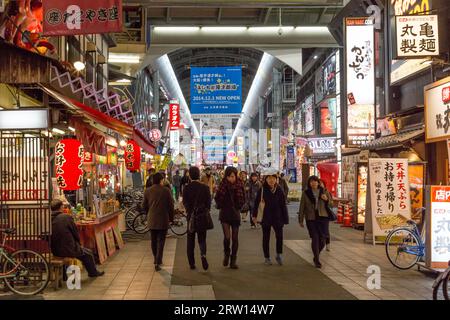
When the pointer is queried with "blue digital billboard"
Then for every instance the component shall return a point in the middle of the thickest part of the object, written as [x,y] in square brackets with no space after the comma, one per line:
[216,90]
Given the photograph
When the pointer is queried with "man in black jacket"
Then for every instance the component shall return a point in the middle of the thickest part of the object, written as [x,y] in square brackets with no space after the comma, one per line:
[65,240]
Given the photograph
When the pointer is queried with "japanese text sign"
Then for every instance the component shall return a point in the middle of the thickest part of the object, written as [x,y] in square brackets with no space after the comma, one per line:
[68,17]
[437,111]
[174,116]
[438,233]
[216,90]
[389,194]
[417,36]
[69,155]
[132,156]
[309,113]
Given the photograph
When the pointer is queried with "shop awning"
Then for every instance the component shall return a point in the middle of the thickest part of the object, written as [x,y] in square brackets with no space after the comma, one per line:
[392,141]
[103,119]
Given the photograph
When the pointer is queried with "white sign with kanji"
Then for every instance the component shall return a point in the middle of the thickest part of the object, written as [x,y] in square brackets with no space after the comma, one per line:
[417,36]
[437,111]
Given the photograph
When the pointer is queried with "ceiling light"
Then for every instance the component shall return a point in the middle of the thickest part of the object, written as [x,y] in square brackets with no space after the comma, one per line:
[315,57]
[72,129]
[270,29]
[124,58]
[223,29]
[79,66]
[59,131]
[124,81]
[175,29]
[312,29]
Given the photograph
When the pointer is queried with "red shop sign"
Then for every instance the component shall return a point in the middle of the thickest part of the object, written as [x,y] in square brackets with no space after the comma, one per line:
[69,154]
[70,17]
[174,116]
[132,156]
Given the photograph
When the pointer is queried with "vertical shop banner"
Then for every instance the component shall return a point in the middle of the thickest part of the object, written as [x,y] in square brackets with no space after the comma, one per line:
[290,158]
[360,77]
[328,116]
[275,148]
[262,146]
[174,116]
[417,190]
[309,113]
[325,79]
[389,195]
[438,226]
[329,172]
[175,142]
[417,36]
[69,17]
[361,191]
[216,90]
[437,111]
[253,148]
[132,156]
[69,155]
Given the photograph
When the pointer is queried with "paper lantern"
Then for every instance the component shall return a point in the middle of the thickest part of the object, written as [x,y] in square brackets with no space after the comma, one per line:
[69,155]
[132,156]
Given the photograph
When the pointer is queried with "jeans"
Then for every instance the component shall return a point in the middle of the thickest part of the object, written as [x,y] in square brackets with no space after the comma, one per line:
[177,193]
[201,237]
[87,258]
[231,234]
[158,239]
[318,231]
[266,239]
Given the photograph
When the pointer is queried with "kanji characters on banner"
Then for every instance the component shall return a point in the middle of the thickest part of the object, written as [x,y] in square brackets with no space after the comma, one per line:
[69,155]
[132,156]
[174,116]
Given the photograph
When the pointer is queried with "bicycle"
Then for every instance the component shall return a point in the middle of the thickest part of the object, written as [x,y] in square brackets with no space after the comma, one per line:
[178,226]
[443,279]
[24,272]
[405,246]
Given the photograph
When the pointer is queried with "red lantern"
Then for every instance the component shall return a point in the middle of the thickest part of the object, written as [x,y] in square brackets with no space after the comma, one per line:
[132,156]
[69,154]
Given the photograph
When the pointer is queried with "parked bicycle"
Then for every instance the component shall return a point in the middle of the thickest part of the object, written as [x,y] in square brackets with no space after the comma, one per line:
[24,272]
[178,226]
[442,281]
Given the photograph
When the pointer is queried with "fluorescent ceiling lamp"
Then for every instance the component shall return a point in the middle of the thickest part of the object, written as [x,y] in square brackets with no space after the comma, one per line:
[312,29]
[59,131]
[23,119]
[270,29]
[224,29]
[72,129]
[175,29]
[124,58]
[124,81]
[79,66]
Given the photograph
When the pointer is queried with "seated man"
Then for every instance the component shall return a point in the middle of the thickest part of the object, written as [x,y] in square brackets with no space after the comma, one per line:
[65,241]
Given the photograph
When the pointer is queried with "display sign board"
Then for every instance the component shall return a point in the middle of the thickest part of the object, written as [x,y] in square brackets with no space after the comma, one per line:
[322,145]
[174,116]
[361,192]
[437,111]
[389,195]
[309,113]
[405,7]
[360,76]
[175,142]
[155,135]
[23,119]
[216,90]
[417,36]
[69,155]
[438,226]
[325,79]
[328,116]
[69,17]
[290,158]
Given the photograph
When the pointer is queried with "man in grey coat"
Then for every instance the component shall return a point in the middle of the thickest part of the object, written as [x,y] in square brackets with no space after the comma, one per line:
[159,204]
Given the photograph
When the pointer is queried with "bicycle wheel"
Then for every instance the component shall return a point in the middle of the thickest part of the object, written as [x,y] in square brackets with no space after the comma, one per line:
[140,224]
[130,214]
[402,248]
[179,225]
[446,287]
[31,274]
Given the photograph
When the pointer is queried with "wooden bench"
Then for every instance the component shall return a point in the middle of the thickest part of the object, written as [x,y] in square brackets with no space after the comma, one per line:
[57,269]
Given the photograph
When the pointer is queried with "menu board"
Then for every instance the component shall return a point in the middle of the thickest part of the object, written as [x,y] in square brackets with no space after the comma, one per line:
[389,195]
[361,192]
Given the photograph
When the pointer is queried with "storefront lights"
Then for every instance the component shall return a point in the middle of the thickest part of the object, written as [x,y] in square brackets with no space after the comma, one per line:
[123,143]
[79,66]
[58,131]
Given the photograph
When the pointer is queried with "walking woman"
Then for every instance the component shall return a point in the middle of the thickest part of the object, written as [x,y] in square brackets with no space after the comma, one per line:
[230,198]
[275,214]
[245,208]
[197,201]
[330,197]
[184,181]
[253,188]
[313,209]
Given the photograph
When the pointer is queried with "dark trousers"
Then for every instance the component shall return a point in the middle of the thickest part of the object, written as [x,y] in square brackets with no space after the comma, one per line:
[177,193]
[266,239]
[158,239]
[88,260]
[201,237]
[318,231]
[231,235]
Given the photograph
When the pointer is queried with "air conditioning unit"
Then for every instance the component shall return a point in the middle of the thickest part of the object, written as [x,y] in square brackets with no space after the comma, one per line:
[101,59]
[90,47]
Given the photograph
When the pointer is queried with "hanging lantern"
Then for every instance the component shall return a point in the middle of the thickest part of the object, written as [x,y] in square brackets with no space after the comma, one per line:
[69,154]
[132,156]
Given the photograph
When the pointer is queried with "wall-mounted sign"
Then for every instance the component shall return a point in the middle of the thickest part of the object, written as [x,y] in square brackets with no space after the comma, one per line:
[417,36]
[23,119]
[216,90]
[309,113]
[437,111]
[155,135]
[132,156]
[328,116]
[153,117]
[69,155]
[389,195]
[290,158]
[438,223]
[322,145]
[407,7]
[174,142]
[174,116]
[69,17]
[325,79]
[361,191]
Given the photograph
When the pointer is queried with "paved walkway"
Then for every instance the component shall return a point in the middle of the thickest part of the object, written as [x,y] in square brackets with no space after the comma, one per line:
[130,272]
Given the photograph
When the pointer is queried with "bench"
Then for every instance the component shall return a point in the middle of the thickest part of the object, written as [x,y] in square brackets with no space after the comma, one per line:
[57,265]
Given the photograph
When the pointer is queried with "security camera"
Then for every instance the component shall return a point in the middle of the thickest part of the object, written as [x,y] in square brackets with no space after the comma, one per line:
[280,31]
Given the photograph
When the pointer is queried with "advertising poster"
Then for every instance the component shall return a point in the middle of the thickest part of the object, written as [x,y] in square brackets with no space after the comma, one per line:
[361,125]
[216,133]
[362,171]
[389,195]
[438,223]
[416,188]
[328,116]
[290,158]
[329,172]
[309,114]
[216,90]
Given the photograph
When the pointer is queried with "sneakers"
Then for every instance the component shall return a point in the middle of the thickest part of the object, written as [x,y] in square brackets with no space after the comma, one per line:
[205,264]
[279,259]
[267,262]
[328,247]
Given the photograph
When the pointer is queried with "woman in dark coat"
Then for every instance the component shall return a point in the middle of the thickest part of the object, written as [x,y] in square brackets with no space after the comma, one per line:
[230,197]
[197,201]
[313,209]
[185,181]
[275,214]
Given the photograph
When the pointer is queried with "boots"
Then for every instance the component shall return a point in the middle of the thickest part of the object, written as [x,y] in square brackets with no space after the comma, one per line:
[226,259]
[233,262]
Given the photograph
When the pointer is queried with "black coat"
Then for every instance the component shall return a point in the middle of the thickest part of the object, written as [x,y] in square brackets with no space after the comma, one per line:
[197,195]
[65,240]
[275,209]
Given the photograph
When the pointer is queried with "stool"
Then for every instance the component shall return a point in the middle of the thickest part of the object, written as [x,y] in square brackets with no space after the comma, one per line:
[57,269]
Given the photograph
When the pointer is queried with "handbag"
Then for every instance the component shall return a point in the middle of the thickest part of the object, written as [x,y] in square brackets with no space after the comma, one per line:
[200,219]
[262,204]
[331,215]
